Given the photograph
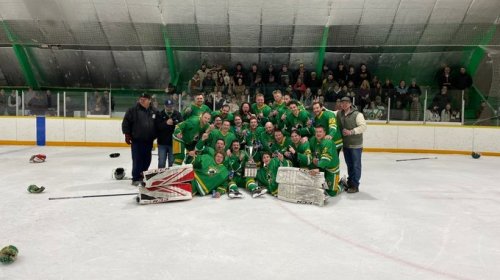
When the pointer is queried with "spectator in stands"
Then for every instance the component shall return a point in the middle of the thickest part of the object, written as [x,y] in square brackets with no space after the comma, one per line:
[252,75]
[38,104]
[374,81]
[399,112]
[12,103]
[463,81]
[302,74]
[219,100]
[195,84]
[388,91]
[324,72]
[269,89]
[233,104]
[208,84]
[307,99]
[239,73]
[377,90]
[203,71]
[446,113]
[414,89]
[285,76]
[340,73]
[314,83]
[402,93]
[155,104]
[432,114]
[364,74]
[352,76]
[363,96]
[239,89]
[256,86]
[442,99]
[328,87]
[415,108]
[268,73]
[444,78]
[373,112]
[3,103]
[299,88]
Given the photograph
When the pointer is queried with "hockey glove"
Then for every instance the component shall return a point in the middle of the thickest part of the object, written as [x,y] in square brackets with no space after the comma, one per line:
[8,254]
[35,189]
[128,139]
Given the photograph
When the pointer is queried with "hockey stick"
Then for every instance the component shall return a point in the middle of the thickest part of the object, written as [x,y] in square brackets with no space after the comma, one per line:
[88,196]
[416,158]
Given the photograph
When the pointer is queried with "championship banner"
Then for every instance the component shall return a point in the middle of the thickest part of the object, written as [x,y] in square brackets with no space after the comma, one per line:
[301,194]
[300,176]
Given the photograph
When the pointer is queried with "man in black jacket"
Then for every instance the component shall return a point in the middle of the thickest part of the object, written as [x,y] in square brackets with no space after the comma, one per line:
[138,125]
[165,125]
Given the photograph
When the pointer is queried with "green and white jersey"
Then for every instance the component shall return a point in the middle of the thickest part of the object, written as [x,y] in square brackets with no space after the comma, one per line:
[195,110]
[191,130]
[326,153]
[328,120]
[216,134]
[209,175]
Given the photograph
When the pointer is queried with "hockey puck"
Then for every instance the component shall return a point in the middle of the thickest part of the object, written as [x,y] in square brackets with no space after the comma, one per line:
[114,155]
[475,155]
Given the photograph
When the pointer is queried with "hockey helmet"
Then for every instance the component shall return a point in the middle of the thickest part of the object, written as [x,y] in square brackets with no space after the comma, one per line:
[119,173]
[476,155]
[38,158]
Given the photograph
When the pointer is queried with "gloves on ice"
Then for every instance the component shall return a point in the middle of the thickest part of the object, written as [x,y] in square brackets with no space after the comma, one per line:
[8,254]
[128,139]
[35,189]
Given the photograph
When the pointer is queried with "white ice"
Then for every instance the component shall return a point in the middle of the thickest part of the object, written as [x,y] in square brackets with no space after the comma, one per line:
[422,219]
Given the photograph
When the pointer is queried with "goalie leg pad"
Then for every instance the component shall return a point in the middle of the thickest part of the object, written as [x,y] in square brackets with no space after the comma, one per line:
[301,194]
[175,192]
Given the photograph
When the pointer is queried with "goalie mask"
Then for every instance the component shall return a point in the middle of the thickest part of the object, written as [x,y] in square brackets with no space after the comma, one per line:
[119,173]
[38,158]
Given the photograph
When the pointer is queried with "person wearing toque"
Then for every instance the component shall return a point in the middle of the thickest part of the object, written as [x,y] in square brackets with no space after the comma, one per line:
[139,128]
[352,124]
[167,119]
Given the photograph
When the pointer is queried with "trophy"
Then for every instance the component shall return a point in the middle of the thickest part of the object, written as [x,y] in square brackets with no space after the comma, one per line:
[251,166]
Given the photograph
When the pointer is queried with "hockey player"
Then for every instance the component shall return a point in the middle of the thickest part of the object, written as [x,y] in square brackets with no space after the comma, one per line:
[260,109]
[252,134]
[325,159]
[266,138]
[328,120]
[187,134]
[281,142]
[278,108]
[298,153]
[224,133]
[266,175]
[224,113]
[298,119]
[210,175]
[235,163]
[197,107]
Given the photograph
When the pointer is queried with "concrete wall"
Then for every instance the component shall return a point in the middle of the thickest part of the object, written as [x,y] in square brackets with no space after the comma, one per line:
[378,137]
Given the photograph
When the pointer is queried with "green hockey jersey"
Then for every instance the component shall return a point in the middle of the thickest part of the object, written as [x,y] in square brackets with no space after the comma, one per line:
[209,175]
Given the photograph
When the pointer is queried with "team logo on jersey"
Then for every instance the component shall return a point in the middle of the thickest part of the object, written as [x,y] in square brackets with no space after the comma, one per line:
[212,171]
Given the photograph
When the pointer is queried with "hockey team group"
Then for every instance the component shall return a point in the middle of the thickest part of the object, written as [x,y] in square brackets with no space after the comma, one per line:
[278,148]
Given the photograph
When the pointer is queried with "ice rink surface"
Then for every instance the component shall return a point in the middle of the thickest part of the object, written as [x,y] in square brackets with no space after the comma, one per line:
[423,219]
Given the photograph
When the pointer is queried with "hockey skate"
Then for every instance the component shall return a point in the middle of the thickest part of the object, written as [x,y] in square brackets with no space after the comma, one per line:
[138,183]
[235,194]
[258,192]
[344,186]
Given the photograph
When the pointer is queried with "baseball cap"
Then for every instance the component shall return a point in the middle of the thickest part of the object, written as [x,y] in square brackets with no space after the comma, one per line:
[145,95]
[169,102]
[346,98]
